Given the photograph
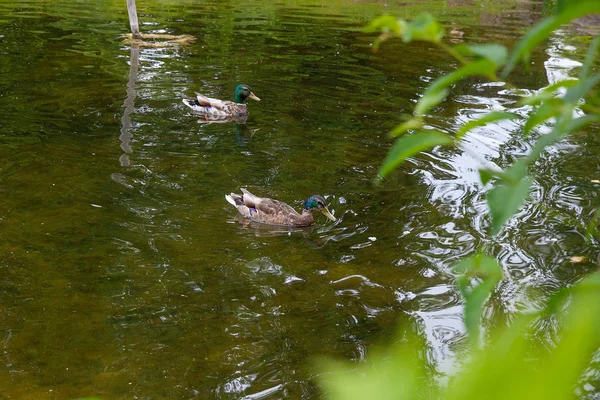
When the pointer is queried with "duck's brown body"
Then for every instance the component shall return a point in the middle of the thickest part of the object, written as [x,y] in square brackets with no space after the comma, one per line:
[269,211]
[216,110]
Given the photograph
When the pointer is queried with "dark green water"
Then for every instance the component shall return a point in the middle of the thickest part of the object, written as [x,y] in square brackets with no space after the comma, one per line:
[124,273]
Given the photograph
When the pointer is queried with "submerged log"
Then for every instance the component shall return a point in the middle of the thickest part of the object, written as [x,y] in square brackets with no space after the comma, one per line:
[157,40]
[150,39]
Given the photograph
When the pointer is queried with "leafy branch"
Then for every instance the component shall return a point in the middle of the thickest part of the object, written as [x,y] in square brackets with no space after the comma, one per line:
[512,365]
[493,62]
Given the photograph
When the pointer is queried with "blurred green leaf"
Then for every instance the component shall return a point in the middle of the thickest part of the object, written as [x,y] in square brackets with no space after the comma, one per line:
[388,25]
[511,176]
[561,5]
[580,339]
[438,90]
[486,175]
[397,372]
[429,100]
[424,28]
[582,122]
[385,23]
[590,57]
[547,93]
[490,272]
[413,123]
[493,52]
[407,146]
[575,93]
[517,171]
[592,226]
[544,28]
[512,366]
[486,119]
[592,103]
[546,111]
[504,200]
[533,37]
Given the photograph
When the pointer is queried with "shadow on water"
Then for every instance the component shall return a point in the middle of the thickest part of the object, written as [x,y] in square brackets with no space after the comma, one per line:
[315,237]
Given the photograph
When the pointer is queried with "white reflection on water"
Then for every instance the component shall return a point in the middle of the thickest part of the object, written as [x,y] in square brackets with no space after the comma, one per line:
[456,187]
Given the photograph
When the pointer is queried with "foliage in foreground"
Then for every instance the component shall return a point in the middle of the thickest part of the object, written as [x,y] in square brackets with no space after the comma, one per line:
[493,62]
[512,364]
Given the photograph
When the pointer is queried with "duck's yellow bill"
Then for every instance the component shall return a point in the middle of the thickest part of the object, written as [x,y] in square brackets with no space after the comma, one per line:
[253,96]
[328,214]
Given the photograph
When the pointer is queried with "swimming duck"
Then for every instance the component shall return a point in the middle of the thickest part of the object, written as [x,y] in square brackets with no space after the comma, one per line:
[218,110]
[275,212]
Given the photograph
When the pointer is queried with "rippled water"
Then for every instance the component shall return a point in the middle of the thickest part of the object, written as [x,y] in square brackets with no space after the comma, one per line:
[125,274]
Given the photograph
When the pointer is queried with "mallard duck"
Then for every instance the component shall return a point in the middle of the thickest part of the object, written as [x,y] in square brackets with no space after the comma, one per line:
[218,110]
[275,212]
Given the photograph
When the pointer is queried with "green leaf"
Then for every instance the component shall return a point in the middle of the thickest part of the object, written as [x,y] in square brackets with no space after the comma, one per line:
[518,170]
[592,227]
[492,51]
[575,93]
[486,119]
[407,146]
[580,338]
[385,23]
[490,272]
[546,111]
[413,123]
[396,372]
[438,90]
[547,93]
[515,366]
[486,175]
[480,67]
[388,25]
[429,100]
[544,28]
[582,122]
[561,5]
[533,37]
[424,28]
[504,200]
[589,58]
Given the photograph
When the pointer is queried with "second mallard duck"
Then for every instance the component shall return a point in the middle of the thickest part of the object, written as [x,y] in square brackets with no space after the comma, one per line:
[275,212]
[215,109]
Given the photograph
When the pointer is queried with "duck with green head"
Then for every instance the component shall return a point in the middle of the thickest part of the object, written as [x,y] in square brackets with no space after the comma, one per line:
[275,212]
[216,110]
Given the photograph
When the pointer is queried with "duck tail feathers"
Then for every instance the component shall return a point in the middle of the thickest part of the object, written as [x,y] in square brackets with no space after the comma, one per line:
[234,199]
[191,103]
[230,200]
[249,199]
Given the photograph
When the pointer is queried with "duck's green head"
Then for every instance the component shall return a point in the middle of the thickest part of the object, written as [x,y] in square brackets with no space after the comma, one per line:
[317,203]
[242,93]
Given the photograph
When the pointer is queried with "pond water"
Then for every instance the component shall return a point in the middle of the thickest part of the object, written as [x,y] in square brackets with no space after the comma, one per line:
[124,273]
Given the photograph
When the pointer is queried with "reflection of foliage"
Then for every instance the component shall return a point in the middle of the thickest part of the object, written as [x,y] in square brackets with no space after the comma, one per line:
[512,365]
